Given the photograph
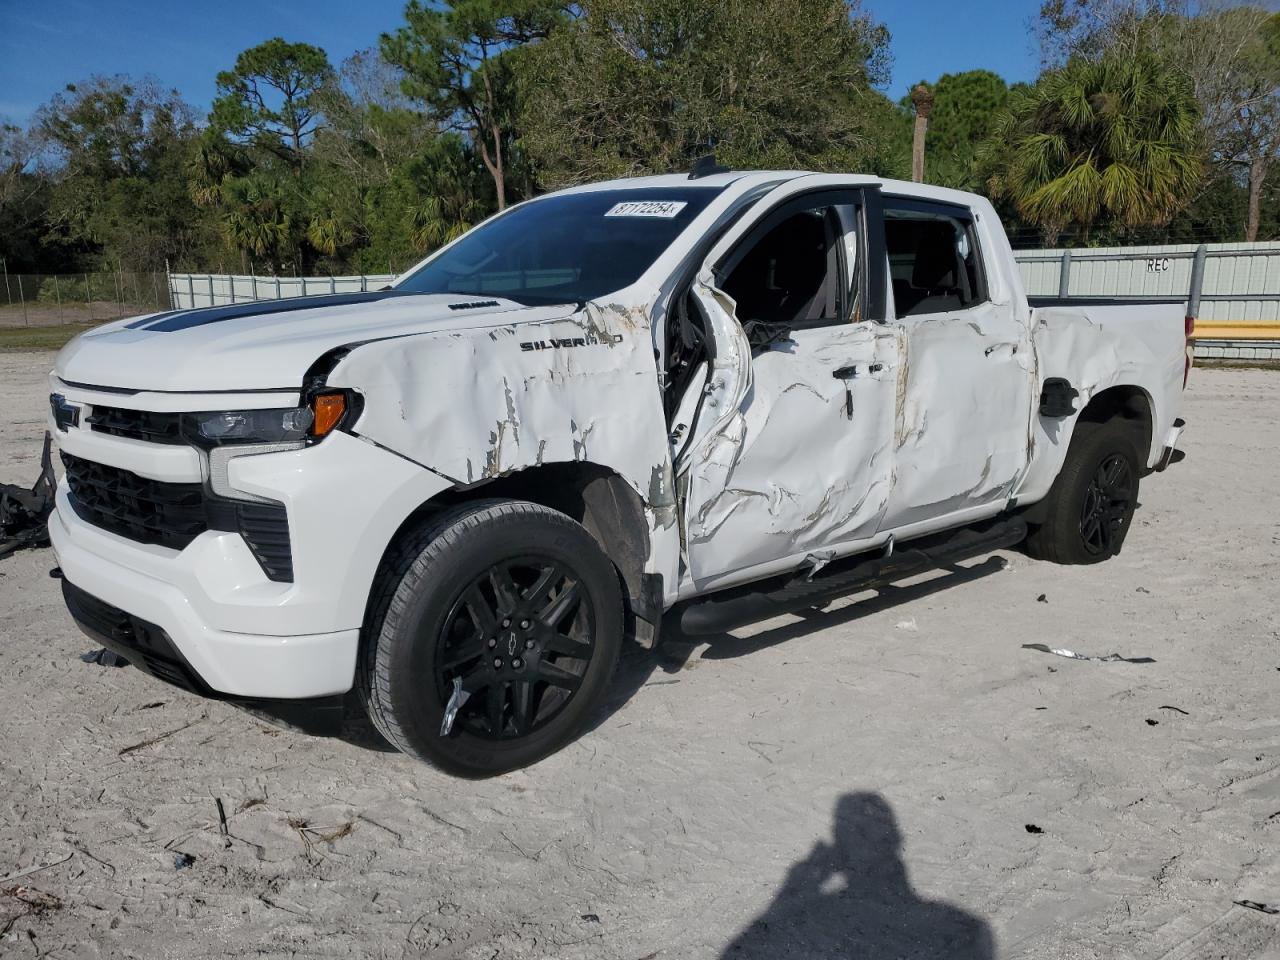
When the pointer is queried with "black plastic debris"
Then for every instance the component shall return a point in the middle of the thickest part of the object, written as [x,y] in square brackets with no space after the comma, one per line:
[1072,655]
[1032,828]
[590,918]
[1174,709]
[104,657]
[1152,723]
[24,513]
[1255,905]
[183,860]
[1043,598]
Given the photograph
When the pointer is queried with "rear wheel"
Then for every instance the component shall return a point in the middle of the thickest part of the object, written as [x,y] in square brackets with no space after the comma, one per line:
[497,633]
[1090,508]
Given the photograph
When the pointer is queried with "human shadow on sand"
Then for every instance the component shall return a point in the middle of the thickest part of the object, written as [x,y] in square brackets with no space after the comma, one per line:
[851,898]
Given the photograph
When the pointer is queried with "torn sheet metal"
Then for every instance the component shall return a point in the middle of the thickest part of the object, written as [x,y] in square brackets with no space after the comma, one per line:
[1072,655]
[481,403]
[778,467]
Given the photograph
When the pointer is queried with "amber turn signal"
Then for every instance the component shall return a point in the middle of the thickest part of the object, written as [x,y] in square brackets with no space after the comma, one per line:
[328,409]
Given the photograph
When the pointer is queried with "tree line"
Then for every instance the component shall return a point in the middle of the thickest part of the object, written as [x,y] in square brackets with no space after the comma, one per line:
[1151,120]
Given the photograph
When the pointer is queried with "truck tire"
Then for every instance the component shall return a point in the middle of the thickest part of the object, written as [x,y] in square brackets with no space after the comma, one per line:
[516,601]
[1090,506]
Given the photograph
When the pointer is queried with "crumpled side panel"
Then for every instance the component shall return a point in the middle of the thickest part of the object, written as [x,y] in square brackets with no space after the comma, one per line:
[787,470]
[476,404]
[964,397]
[1096,348]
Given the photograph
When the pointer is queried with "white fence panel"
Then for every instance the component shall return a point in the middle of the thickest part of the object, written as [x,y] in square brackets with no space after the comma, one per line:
[191,290]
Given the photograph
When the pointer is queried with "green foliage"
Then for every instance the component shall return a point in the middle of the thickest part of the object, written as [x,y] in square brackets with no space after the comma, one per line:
[1109,140]
[458,59]
[270,97]
[964,107]
[640,86]
[120,187]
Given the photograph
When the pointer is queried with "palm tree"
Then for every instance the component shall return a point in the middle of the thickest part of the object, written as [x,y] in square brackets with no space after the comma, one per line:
[1114,139]
[253,221]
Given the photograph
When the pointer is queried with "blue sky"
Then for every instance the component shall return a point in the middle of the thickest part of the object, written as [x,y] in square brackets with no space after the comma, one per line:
[45,44]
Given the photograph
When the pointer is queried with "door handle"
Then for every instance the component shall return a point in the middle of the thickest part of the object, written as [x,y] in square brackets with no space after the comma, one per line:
[846,374]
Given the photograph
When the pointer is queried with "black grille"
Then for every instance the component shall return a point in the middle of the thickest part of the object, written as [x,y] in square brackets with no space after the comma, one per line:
[143,644]
[148,511]
[174,514]
[137,424]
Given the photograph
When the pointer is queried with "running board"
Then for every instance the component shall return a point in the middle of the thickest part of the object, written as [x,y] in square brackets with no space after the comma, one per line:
[751,603]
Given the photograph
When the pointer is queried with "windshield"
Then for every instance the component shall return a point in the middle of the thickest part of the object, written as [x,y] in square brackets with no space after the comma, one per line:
[564,249]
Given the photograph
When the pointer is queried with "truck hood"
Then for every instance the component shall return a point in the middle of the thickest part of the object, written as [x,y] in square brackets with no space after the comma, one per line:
[268,345]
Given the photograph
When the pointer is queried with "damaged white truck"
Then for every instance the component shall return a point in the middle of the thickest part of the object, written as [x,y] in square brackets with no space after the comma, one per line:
[733,394]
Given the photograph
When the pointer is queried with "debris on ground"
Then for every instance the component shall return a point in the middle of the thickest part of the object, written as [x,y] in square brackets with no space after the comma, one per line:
[24,512]
[1072,655]
[310,836]
[1152,723]
[1043,598]
[34,902]
[1175,709]
[908,625]
[222,823]
[104,657]
[1032,828]
[183,860]
[1255,905]
[590,918]
[26,872]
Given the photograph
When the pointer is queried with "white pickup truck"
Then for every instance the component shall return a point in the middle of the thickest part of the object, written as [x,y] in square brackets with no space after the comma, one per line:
[734,394]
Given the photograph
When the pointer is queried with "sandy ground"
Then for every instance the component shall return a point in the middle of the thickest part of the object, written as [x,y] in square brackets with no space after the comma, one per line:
[863,782]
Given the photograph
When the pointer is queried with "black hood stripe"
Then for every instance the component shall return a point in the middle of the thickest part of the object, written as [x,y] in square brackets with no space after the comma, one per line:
[185,319]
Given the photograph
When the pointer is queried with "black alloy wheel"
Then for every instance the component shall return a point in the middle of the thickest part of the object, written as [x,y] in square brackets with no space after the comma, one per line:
[517,642]
[1107,505]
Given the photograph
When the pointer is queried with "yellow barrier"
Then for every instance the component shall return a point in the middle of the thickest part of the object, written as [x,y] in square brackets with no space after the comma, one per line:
[1229,330]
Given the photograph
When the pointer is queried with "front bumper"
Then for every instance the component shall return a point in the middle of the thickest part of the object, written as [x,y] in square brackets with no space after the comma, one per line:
[155,627]
[239,633]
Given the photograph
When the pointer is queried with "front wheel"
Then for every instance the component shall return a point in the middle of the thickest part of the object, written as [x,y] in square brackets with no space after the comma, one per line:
[493,639]
[1090,507]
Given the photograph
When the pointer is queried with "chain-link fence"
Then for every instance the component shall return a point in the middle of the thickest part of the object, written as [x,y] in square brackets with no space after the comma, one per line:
[50,299]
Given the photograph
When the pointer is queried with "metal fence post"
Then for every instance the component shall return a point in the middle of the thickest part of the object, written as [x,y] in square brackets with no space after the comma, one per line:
[22,295]
[58,296]
[1197,281]
[231,282]
[333,284]
[88,295]
[8,297]
[1064,275]
[213,300]
[253,282]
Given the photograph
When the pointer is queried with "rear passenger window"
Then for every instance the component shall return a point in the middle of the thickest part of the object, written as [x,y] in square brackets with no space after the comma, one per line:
[933,259]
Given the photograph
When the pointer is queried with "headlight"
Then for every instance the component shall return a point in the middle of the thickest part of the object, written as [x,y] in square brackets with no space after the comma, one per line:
[322,414]
[252,426]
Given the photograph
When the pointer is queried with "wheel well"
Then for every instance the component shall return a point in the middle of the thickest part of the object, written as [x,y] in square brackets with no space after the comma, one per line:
[1126,403]
[595,496]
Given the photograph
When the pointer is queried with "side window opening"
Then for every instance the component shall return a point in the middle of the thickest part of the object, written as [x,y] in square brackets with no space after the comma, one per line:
[934,263]
[790,276]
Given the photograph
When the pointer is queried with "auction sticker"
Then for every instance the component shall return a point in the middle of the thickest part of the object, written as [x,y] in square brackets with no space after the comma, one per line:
[663,209]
